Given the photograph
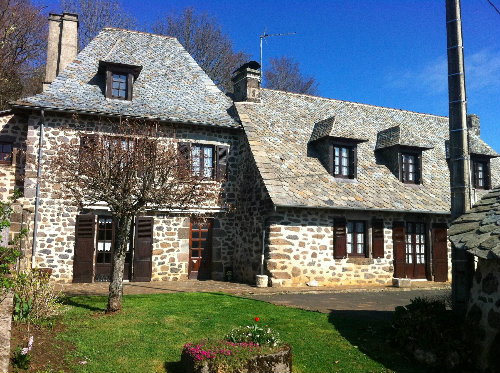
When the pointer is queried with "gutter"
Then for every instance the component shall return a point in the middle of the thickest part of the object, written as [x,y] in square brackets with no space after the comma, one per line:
[363,209]
[37,195]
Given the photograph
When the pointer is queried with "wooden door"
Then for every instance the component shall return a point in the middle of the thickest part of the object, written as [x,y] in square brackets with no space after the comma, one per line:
[415,250]
[440,252]
[200,250]
[143,250]
[83,261]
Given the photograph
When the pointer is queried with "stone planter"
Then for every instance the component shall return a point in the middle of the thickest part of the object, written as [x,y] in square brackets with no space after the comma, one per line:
[279,362]
[261,281]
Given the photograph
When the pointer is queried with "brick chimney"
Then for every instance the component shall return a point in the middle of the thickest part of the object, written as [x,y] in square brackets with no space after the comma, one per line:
[246,82]
[62,45]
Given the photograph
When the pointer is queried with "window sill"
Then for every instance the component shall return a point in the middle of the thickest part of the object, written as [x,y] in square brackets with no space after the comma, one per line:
[346,180]
[361,260]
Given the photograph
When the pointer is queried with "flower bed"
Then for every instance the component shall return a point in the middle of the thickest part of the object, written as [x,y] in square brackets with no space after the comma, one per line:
[245,349]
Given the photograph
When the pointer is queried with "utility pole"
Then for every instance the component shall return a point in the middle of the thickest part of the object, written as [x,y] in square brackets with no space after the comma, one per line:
[462,262]
[262,37]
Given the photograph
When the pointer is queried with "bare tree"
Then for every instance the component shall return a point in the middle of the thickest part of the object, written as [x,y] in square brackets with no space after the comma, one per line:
[96,14]
[23,40]
[132,167]
[205,41]
[284,75]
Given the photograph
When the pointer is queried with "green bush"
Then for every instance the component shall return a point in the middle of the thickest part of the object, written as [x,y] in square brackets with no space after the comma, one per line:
[34,296]
[432,334]
[8,254]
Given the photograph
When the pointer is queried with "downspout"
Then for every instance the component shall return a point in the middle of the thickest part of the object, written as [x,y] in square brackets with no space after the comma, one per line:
[37,196]
[262,256]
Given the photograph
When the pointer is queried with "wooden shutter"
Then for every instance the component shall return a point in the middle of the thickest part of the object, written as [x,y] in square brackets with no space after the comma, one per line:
[487,175]
[221,164]
[184,150]
[143,250]
[339,229]
[83,261]
[440,252]
[398,239]
[352,162]
[418,164]
[331,159]
[378,239]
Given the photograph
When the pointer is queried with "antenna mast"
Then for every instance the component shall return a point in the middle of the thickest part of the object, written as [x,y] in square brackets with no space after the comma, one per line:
[263,36]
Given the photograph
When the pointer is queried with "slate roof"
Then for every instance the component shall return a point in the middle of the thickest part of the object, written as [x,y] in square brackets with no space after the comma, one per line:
[403,135]
[334,126]
[478,146]
[171,86]
[478,230]
[281,126]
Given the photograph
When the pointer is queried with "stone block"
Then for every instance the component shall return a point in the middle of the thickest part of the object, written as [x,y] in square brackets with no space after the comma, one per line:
[282,275]
[401,282]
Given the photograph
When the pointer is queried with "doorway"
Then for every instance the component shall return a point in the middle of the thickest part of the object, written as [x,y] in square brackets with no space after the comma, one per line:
[200,250]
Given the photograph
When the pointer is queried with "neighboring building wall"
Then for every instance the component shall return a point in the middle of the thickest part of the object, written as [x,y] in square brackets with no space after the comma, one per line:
[57,211]
[301,249]
[484,314]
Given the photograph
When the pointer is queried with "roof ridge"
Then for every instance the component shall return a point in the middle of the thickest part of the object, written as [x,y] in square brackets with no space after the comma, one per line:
[357,103]
[109,28]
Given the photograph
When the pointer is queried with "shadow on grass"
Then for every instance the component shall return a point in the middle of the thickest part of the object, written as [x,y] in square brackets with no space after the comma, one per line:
[71,301]
[174,367]
[371,332]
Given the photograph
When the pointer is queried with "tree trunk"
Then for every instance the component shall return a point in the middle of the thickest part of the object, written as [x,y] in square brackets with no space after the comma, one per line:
[116,284]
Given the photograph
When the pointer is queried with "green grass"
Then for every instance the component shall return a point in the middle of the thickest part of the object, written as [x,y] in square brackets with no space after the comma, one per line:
[148,335]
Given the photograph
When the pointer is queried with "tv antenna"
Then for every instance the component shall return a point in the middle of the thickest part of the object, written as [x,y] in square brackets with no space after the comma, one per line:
[262,37]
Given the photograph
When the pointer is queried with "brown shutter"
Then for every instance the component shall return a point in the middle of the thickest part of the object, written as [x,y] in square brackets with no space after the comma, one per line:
[419,168]
[221,166]
[143,250]
[83,261]
[184,150]
[440,252]
[487,175]
[378,238]
[331,159]
[353,162]
[398,238]
[340,238]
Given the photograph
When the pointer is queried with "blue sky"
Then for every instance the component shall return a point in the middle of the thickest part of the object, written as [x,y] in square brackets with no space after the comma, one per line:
[381,52]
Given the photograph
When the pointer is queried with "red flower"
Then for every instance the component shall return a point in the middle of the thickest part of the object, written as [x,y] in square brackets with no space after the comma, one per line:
[257,319]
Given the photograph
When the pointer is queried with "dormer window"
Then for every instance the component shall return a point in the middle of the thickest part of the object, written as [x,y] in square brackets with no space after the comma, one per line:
[344,160]
[480,172]
[410,166]
[119,79]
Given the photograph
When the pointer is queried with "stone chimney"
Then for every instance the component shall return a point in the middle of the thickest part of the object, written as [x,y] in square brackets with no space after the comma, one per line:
[473,124]
[246,82]
[62,45]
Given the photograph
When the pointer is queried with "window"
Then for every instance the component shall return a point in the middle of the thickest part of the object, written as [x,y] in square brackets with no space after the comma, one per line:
[119,86]
[410,169]
[415,243]
[480,172]
[119,79]
[344,161]
[5,153]
[356,238]
[203,160]
[206,161]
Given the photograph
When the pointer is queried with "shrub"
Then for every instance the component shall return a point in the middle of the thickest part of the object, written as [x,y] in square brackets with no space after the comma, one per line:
[8,254]
[22,357]
[434,335]
[34,296]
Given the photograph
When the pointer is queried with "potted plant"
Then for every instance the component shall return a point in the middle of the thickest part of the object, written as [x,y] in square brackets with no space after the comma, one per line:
[250,348]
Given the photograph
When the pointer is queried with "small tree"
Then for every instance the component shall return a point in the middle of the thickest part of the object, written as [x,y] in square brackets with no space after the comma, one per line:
[284,74]
[134,166]
[202,36]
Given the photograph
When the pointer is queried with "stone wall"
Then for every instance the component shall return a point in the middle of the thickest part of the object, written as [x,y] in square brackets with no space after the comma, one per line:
[484,315]
[57,211]
[253,206]
[301,249]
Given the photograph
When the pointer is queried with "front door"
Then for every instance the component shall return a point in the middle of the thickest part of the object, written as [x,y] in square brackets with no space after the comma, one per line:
[415,250]
[200,250]
[104,255]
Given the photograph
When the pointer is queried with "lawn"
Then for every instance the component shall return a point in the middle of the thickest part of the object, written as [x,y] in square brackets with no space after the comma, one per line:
[148,335]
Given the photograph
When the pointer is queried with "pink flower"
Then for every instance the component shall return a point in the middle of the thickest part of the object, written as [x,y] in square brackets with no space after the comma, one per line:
[257,319]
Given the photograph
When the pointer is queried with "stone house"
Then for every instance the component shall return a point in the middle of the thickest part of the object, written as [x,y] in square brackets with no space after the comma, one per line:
[323,190]
[478,232]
